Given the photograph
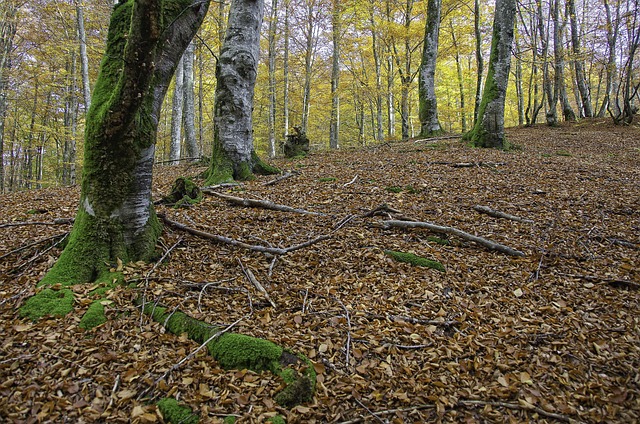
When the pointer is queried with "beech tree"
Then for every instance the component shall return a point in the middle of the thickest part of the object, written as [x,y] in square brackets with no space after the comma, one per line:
[233,155]
[429,124]
[488,130]
[116,221]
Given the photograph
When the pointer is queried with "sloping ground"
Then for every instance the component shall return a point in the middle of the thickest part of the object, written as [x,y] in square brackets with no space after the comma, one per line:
[549,337]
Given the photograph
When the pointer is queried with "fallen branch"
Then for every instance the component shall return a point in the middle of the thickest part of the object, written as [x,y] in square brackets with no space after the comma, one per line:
[57,221]
[35,243]
[256,203]
[236,243]
[253,280]
[386,210]
[489,244]
[444,137]
[617,283]
[413,320]
[281,178]
[497,214]
[351,182]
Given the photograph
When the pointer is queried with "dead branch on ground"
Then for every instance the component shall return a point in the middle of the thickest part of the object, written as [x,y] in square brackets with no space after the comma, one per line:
[253,280]
[388,212]
[236,243]
[57,221]
[497,214]
[617,283]
[35,243]
[256,203]
[444,137]
[413,320]
[282,177]
[489,244]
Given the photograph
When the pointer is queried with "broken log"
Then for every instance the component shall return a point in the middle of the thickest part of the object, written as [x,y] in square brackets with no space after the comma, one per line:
[489,244]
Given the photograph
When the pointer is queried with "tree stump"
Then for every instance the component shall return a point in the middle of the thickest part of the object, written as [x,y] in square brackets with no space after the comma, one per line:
[297,144]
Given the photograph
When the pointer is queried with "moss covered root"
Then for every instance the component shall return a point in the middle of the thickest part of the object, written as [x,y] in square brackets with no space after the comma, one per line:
[239,351]
[94,316]
[416,260]
[56,302]
[174,413]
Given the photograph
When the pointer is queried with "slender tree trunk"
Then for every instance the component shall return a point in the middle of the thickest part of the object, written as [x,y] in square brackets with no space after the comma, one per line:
[70,124]
[375,46]
[463,115]
[404,106]
[8,27]
[189,108]
[176,114]
[285,71]
[310,29]
[391,113]
[613,24]
[336,30]
[518,76]
[558,51]
[272,77]
[116,220]
[489,128]
[84,58]
[547,84]
[233,155]
[578,62]
[479,58]
[429,124]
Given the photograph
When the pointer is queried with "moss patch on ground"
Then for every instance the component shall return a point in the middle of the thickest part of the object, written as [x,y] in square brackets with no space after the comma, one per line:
[94,316]
[56,302]
[239,351]
[174,413]
[415,260]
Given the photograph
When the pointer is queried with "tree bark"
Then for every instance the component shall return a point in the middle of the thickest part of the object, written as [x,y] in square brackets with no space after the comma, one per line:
[176,114]
[233,154]
[583,87]
[612,40]
[488,130]
[558,52]
[336,30]
[479,57]
[189,108]
[429,124]
[272,77]
[84,58]
[463,115]
[116,220]
[8,27]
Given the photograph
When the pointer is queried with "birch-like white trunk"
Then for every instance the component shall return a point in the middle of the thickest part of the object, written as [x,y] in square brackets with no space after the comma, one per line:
[176,114]
[189,108]
[429,124]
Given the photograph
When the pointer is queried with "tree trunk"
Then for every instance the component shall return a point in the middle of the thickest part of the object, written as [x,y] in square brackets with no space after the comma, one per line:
[272,77]
[189,108]
[285,71]
[7,32]
[84,59]
[116,220]
[176,114]
[558,52]
[479,58]
[310,29]
[578,63]
[336,23]
[429,124]
[378,133]
[552,100]
[518,76]
[233,155]
[488,130]
[612,26]
[463,115]
[70,124]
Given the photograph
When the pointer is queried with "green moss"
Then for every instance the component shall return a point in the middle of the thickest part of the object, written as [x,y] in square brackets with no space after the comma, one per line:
[175,413]
[288,375]
[260,167]
[394,189]
[438,240]
[238,351]
[327,179]
[94,316]
[563,153]
[229,420]
[415,260]
[48,302]
[278,419]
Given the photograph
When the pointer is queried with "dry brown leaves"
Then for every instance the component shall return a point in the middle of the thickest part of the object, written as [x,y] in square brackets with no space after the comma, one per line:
[546,334]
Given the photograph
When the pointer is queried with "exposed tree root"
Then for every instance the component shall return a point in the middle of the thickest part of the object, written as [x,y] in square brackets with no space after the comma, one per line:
[256,203]
[238,351]
[489,244]
[236,243]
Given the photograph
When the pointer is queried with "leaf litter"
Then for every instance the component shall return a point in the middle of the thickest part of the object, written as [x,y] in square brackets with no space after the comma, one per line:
[548,337]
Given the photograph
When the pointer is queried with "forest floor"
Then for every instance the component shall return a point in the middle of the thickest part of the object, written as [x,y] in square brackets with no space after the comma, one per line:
[553,336]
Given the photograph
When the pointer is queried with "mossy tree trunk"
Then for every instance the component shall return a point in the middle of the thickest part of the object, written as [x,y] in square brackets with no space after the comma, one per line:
[116,219]
[429,124]
[233,155]
[488,130]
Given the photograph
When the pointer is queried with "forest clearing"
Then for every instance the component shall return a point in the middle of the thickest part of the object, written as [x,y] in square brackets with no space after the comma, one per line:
[551,336]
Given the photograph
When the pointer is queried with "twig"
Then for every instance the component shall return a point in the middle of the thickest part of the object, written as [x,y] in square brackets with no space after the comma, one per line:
[148,274]
[489,244]
[189,356]
[351,182]
[35,243]
[610,281]
[39,254]
[256,203]
[253,280]
[113,391]
[413,320]
[369,411]
[57,221]
[282,177]
[348,344]
[497,214]
[236,243]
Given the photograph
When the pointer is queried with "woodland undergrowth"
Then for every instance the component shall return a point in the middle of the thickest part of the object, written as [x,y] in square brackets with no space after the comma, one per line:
[552,336]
